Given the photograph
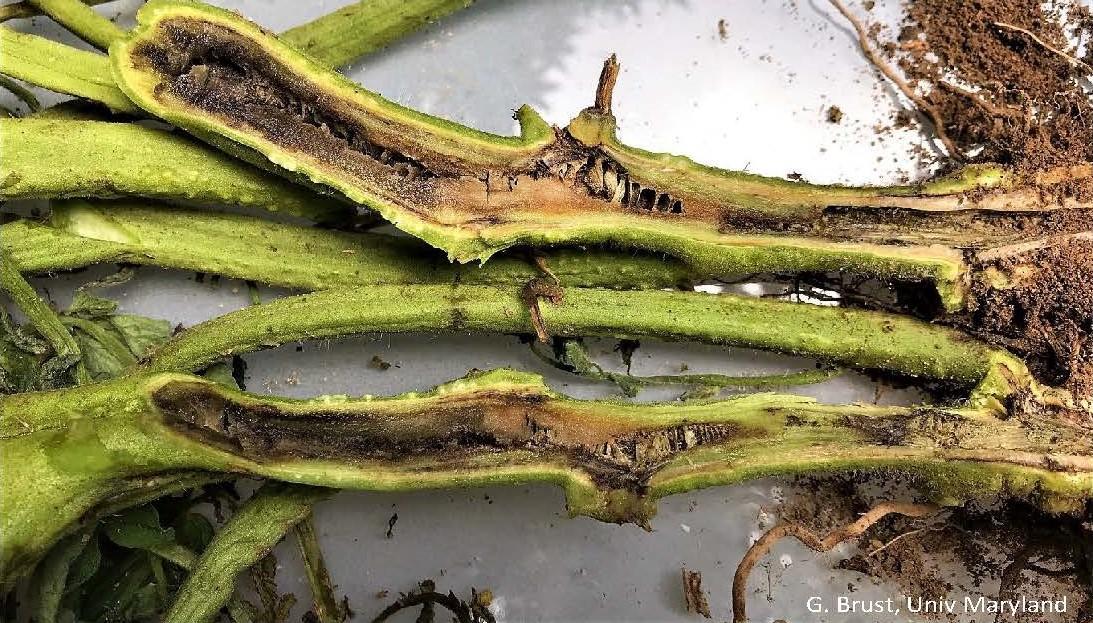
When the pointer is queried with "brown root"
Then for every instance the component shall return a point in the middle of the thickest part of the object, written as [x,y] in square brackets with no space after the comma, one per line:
[1044,44]
[812,541]
[542,265]
[924,107]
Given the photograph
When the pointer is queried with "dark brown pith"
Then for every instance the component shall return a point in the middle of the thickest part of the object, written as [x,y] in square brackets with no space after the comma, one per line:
[215,71]
[220,72]
[615,453]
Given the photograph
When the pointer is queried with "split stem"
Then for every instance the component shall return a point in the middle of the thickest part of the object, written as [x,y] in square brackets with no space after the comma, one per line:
[614,460]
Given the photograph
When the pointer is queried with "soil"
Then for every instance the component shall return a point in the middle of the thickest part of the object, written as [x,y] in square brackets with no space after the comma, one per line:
[1040,306]
[998,552]
[1010,87]
[1004,96]
[975,550]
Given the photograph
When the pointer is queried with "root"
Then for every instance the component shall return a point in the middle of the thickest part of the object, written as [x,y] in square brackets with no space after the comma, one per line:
[897,539]
[1044,44]
[987,107]
[812,541]
[923,106]
[543,266]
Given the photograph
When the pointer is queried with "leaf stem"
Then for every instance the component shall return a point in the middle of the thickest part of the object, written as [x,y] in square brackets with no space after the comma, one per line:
[82,20]
[61,158]
[325,603]
[61,68]
[247,537]
[361,28]
[82,233]
[23,8]
[855,338]
[22,93]
[44,319]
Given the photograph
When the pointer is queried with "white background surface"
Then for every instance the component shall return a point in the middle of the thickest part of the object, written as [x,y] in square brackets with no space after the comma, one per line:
[755,100]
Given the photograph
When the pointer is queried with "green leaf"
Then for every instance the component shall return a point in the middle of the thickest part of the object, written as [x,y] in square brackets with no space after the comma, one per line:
[138,528]
[18,369]
[112,592]
[241,610]
[221,372]
[85,305]
[51,576]
[141,334]
[142,604]
[86,564]
[194,531]
[101,362]
[20,338]
[54,372]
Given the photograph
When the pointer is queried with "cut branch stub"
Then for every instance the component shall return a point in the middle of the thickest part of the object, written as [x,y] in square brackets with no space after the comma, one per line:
[606,85]
[472,194]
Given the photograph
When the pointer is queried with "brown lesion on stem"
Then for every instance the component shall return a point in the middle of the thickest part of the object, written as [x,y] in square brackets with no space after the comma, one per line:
[968,228]
[622,451]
